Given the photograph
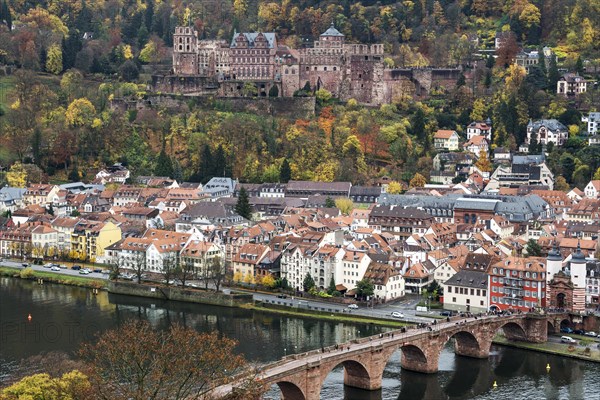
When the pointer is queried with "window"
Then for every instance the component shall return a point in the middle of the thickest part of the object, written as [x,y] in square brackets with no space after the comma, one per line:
[454,299]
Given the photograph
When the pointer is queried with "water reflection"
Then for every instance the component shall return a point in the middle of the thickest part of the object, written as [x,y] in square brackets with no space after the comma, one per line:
[267,337]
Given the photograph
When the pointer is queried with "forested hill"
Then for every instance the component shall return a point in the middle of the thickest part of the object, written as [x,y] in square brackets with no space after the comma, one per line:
[430,27]
[72,57]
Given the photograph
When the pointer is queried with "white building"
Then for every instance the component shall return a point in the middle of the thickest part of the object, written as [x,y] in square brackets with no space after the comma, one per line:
[467,291]
[592,190]
[546,131]
[592,120]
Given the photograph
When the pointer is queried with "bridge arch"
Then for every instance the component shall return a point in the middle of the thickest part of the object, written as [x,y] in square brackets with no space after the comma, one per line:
[290,391]
[469,345]
[513,331]
[356,374]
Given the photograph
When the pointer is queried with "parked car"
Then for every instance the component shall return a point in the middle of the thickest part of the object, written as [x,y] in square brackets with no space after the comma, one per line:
[49,265]
[353,306]
[282,296]
[98,270]
[579,332]
[446,313]
[397,314]
[76,267]
[566,330]
[590,333]
[84,272]
[62,266]
[54,268]
[568,339]
[25,265]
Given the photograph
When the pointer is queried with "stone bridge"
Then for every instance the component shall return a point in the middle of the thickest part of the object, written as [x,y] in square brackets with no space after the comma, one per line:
[301,376]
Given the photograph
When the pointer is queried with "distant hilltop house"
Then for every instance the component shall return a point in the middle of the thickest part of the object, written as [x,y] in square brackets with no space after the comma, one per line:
[530,58]
[347,70]
[445,139]
[546,131]
[571,85]
[593,121]
[479,128]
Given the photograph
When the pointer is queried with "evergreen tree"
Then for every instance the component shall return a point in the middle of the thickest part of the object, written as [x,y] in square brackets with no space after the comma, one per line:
[206,170]
[490,61]
[242,207]
[220,162]
[308,282]
[163,167]
[84,18]
[50,210]
[43,59]
[177,171]
[553,74]
[579,66]
[542,61]
[331,289]
[285,172]
[74,174]
[461,80]
[5,15]
[70,47]
[533,144]
[149,14]
[329,202]
[274,91]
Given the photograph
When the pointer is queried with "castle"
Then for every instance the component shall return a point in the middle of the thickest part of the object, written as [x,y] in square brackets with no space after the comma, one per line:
[348,71]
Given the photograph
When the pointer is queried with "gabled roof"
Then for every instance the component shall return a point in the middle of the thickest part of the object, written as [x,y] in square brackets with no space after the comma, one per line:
[444,134]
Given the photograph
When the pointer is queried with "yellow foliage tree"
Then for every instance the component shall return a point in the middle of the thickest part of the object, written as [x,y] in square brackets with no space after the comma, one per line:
[268,281]
[17,175]
[237,277]
[417,181]
[80,112]
[344,204]
[561,184]
[394,187]
[72,385]
[483,163]
[54,62]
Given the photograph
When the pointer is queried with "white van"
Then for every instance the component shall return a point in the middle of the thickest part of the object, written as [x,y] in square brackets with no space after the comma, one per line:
[567,339]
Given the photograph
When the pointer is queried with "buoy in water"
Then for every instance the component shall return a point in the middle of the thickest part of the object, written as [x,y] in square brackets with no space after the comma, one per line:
[495,385]
[28,317]
[548,367]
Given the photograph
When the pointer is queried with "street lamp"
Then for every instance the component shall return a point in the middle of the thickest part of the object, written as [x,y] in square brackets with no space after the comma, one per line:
[428,303]
[284,351]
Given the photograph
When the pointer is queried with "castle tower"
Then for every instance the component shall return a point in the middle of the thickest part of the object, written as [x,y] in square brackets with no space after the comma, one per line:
[578,272]
[185,51]
[331,38]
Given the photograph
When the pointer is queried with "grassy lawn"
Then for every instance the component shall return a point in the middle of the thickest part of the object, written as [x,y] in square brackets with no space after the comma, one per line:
[6,85]
[56,278]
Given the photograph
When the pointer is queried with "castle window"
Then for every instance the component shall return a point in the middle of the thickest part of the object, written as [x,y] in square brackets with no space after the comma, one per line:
[307,68]
[324,68]
[315,68]
[335,68]
[293,71]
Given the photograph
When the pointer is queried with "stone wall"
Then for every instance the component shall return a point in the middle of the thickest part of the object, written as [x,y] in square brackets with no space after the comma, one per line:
[179,294]
[283,107]
[194,84]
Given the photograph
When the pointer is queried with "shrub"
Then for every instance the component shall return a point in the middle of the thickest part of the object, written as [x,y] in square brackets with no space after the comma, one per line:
[27,273]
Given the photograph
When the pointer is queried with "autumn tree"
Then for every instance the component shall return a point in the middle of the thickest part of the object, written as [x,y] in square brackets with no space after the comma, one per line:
[80,112]
[137,362]
[507,51]
[417,181]
[54,64]
[17,176]
[560,183]
[483,163]
[71,385]
[344,204]
[394,187]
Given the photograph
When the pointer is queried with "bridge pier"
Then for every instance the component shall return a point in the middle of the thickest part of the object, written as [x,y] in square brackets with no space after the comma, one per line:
[536,328]
[468,348]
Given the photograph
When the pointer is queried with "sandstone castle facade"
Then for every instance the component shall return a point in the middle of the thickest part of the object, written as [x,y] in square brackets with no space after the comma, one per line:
[348,71]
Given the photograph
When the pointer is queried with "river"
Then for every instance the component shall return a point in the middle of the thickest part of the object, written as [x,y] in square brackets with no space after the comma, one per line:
[63,317]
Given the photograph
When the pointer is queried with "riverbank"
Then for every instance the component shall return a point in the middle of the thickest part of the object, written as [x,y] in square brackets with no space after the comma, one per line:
[237,299]
[559,349]
[52,277]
